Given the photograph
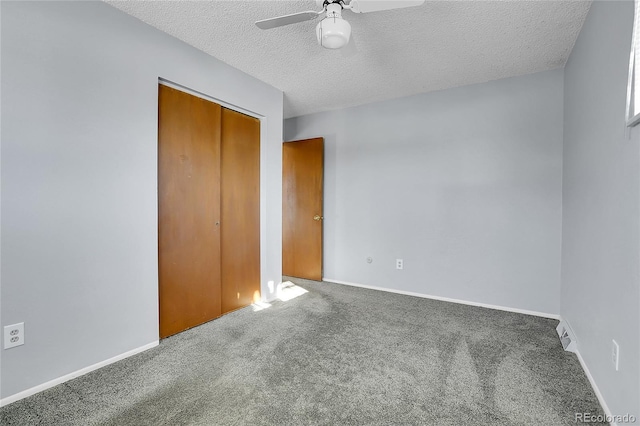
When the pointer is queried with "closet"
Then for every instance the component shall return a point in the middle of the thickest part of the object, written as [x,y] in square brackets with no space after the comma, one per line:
[208,210]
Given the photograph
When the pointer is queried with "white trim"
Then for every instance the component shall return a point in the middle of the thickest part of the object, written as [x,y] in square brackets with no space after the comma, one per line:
[631,120]
[206,97]
[592,381]
[447,299]
[634,120]
[632,114]
[51,383]
[599,395]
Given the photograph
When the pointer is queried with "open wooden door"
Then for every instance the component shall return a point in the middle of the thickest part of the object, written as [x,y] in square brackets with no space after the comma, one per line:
[302,208]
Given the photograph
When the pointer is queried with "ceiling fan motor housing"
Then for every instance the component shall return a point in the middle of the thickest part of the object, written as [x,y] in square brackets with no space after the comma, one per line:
[323,3]
[333,32]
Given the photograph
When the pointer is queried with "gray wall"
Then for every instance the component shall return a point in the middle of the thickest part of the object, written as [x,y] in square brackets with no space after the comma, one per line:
[601,214]
[79,182]
[463,184]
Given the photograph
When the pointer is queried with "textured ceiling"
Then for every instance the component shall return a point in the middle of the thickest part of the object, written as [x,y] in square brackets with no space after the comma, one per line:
[398,53]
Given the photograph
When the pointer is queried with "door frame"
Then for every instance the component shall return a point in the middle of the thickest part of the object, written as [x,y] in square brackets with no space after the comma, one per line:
[263,177]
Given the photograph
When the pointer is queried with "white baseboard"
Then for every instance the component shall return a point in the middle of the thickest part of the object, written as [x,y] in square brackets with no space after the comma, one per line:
[51,383]
[599,395]
[603,403]
[447,299]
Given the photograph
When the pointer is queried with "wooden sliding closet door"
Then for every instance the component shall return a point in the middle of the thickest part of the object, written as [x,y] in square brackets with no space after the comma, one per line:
[188,210]
[240,190]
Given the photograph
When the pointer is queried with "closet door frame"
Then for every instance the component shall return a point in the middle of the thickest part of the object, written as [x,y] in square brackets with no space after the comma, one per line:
[263,168]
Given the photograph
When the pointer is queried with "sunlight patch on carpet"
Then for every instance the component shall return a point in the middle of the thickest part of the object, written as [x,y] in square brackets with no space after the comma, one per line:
[290,291]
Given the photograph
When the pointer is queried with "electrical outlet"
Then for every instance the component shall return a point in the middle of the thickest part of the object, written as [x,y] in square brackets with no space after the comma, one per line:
[615,354]
[399,264]
[13,335]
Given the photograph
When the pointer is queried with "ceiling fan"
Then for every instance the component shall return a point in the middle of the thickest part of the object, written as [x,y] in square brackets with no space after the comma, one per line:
[333,31]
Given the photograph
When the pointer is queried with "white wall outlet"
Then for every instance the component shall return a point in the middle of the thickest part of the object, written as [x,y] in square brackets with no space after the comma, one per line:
[615,354]
[13,335]
[399,264]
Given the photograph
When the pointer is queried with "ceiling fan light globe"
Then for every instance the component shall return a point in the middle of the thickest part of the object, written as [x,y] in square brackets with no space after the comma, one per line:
[333,33]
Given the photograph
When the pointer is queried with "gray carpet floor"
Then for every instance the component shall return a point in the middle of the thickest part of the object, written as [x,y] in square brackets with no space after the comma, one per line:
[335,355]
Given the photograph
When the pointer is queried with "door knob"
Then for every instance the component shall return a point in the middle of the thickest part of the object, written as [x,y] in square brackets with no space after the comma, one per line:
[317,217]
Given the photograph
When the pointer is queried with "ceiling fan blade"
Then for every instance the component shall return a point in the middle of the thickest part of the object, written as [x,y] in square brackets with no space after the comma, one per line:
[365,6]
[294,18]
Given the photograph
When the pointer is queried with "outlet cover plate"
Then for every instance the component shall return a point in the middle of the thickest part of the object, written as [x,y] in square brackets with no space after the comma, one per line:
[13,335]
